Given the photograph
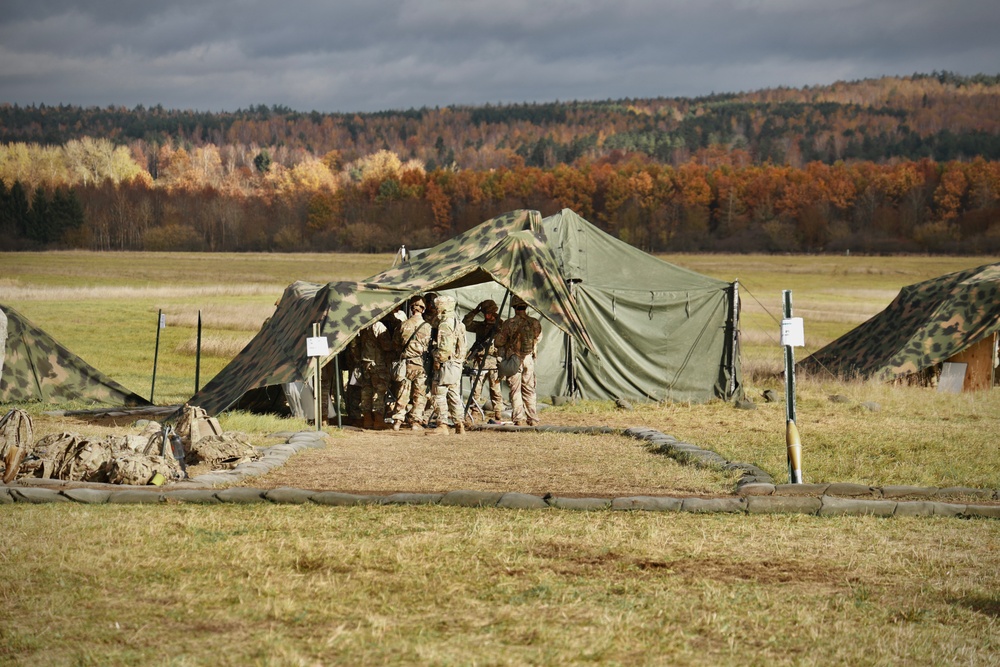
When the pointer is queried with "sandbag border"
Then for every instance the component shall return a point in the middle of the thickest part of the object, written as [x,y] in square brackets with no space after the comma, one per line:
[756,493]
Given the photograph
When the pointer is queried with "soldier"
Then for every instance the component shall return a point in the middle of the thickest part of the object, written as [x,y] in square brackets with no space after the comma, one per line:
[350,363]
[449,356]
[482,356]
[412,339]
[519,336]
[431,317]
[375,352]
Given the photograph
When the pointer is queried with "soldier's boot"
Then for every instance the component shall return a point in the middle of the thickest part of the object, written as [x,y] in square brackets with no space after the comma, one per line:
[396,424]
[368,422]
[440,429]
[416,426]
[459,428]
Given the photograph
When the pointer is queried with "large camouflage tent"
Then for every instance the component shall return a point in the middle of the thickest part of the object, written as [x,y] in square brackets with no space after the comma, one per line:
[659,332]
[926,324]
[37,368]
[509,250]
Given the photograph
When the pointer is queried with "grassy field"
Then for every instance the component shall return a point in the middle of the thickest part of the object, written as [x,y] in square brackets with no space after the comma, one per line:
[309,585]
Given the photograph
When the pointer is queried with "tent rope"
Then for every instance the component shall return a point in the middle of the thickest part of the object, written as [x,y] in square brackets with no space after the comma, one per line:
[778,322]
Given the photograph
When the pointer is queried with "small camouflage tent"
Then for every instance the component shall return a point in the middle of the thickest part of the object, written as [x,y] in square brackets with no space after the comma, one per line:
[504,250]
[659,332]
[926,324]
[37,368]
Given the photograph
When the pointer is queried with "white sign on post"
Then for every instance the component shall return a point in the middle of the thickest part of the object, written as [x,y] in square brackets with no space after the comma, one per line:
[792,332]
[163,321]
[317,346]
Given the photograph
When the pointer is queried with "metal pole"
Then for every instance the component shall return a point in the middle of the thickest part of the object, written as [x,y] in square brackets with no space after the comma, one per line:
[792,442]
[337,381]
[156,352]
[570,352]
[734,340]
[317,385]
[197,358]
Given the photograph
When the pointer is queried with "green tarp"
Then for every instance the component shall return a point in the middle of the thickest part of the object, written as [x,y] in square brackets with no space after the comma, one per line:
[37,368]
[508,250]
[926,324]
[659,332]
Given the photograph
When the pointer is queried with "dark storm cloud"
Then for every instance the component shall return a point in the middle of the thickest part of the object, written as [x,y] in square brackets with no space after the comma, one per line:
[380,54]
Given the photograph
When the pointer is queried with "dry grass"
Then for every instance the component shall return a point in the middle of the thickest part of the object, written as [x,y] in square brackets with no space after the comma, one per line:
[390,585]
[309,585]
[384,462]
[217,346]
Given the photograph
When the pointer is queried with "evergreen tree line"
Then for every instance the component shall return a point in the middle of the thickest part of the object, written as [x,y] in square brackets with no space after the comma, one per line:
[48,219]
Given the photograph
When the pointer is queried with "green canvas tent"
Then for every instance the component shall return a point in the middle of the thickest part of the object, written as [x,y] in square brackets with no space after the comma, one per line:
[926,324]
[37,368]
[659,332]
[504,250]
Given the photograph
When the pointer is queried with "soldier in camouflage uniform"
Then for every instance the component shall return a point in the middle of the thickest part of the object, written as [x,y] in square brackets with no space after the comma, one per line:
[520,335]
[449,357]
[350,362]
[483,357]
[376,351]
[412,339]
[431,317]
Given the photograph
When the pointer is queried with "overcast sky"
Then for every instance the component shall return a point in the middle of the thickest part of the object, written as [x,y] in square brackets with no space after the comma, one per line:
[371,55]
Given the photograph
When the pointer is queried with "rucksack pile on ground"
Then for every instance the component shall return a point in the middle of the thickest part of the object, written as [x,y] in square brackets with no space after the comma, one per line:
[157,454]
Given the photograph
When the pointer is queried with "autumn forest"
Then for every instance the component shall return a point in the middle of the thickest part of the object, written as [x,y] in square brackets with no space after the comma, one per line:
[890,165]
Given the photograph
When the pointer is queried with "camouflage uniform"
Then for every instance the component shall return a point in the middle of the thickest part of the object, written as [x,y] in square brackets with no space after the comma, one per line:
[376,348]
[412,339]
[351,364]
[431,316]
[449,352]
[484,356]
[520,335]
